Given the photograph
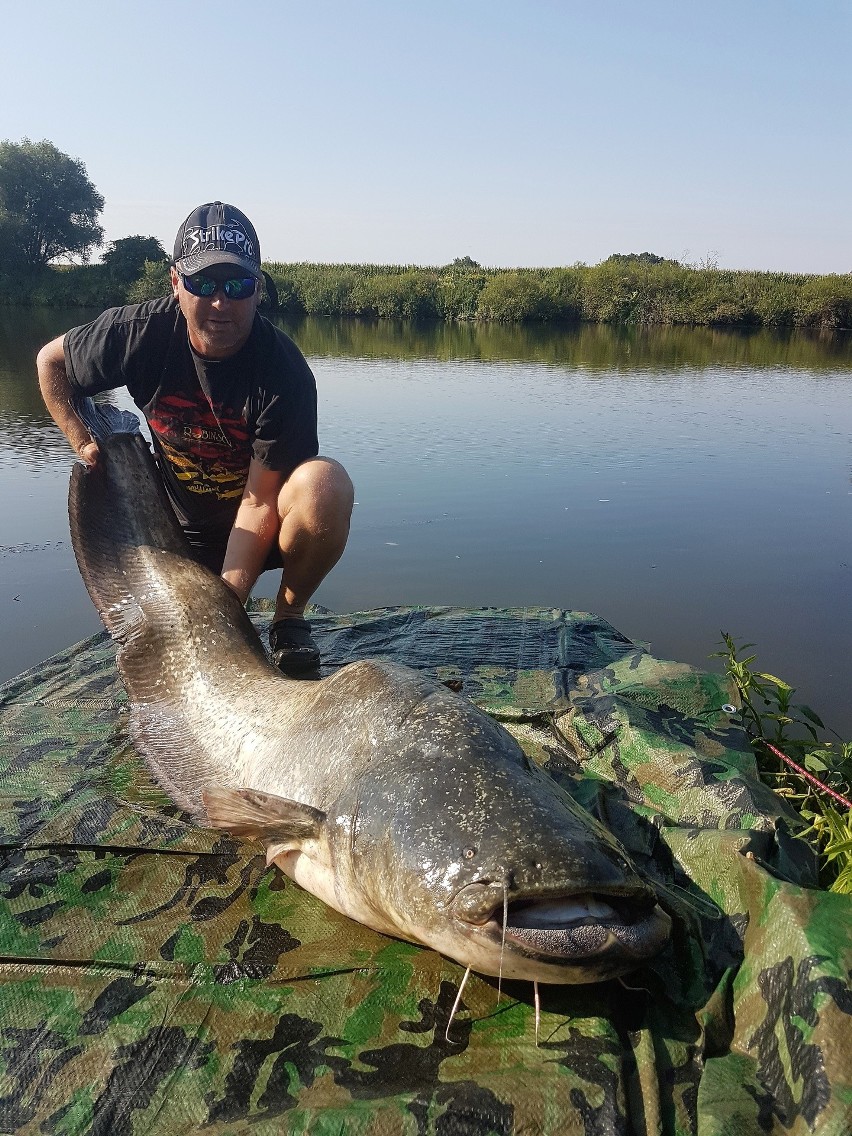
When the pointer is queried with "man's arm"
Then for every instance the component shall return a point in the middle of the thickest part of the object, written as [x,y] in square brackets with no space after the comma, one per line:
[255,529]
[58,395]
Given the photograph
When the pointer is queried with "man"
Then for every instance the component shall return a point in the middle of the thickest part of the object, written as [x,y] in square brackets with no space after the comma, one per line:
[231,403]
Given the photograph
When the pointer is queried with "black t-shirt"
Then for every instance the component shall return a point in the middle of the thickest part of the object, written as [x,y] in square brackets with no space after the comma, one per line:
[208,418]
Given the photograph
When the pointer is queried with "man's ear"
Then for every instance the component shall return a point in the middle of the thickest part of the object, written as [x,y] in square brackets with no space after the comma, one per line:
[174,275]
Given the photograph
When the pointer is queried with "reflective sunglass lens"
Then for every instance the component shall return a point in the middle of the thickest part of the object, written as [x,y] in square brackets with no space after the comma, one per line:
[199,284]
[240,289]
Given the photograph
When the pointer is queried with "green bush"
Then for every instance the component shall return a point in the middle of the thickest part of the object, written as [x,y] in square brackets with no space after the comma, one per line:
[79,285]
[408,295]
[564,287]
[514,297]
[826,302]
[326,290]
[610,293]
[153,283]
[287,288]
[457,292]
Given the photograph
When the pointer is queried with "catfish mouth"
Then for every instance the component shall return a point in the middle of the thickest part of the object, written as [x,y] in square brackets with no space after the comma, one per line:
[568,929]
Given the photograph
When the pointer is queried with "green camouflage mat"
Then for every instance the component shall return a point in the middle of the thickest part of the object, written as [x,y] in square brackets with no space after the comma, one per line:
[158,979]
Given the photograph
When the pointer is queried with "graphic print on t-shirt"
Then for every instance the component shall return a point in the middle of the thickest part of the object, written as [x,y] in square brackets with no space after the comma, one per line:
[206,446]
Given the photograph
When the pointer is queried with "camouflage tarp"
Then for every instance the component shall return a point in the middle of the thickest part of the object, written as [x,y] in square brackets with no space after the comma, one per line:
[158,979]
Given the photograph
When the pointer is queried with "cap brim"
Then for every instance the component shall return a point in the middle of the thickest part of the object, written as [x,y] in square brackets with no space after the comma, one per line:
[198,261]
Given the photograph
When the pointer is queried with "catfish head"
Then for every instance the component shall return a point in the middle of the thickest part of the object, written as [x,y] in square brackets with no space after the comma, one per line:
[455,841]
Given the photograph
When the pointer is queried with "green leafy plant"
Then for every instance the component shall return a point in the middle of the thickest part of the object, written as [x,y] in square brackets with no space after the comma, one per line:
[795,756]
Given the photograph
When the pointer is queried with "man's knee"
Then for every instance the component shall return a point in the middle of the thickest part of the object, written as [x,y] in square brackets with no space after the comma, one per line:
[320,487]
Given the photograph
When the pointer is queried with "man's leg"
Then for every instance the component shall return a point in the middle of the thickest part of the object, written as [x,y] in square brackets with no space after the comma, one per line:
[315,506]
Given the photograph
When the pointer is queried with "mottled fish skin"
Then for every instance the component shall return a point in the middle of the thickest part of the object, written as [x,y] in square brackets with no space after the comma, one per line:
[396,801]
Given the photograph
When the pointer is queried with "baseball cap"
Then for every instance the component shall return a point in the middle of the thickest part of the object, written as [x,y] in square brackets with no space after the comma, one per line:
[216,233]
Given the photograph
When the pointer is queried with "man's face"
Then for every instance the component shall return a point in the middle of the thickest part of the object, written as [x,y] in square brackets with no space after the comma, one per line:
[218,327]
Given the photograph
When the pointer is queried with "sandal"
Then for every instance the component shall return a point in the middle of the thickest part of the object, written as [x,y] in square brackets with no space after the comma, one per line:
[291,647]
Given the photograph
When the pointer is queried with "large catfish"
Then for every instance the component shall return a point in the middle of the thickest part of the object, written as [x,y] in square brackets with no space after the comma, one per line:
[392,799]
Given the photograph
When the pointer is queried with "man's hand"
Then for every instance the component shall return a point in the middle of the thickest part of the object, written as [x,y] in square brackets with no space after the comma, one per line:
[255,530]
[58,397]
[90,453]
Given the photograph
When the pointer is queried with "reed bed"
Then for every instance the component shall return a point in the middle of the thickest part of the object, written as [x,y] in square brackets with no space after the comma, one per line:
[621,290]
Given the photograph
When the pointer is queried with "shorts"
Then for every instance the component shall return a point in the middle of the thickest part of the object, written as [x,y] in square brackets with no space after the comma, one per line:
[208,548]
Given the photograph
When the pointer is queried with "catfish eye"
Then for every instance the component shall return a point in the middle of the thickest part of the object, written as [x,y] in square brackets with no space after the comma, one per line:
[469,853]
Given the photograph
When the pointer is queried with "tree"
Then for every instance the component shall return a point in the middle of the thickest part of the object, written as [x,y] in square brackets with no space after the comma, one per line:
[637,258]
[48,207]
[126,257]
[464,262]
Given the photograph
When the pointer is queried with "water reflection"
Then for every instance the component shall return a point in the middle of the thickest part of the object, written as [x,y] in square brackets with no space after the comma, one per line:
[30,441]
[587,346]
[28,434]
[23,331]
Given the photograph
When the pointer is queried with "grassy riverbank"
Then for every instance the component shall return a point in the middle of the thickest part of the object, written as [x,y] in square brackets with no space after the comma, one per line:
[621,290]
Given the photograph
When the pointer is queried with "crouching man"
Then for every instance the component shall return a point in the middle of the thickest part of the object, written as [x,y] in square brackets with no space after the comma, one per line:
[232,408]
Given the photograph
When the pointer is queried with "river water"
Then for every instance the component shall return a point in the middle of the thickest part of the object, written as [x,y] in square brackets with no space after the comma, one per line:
[677,482]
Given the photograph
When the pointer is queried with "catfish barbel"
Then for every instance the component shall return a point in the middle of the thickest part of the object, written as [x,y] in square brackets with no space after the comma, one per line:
[394,800]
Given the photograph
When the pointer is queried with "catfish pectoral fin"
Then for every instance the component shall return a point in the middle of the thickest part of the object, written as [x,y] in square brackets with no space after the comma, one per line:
[253,815]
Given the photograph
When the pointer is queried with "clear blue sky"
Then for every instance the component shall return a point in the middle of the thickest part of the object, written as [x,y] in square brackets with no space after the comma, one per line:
[538,132]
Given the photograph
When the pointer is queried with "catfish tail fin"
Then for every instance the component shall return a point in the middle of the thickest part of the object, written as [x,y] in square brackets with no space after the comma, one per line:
[104,419]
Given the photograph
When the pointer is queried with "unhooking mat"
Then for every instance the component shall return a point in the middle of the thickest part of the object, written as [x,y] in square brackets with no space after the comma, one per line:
[157,979]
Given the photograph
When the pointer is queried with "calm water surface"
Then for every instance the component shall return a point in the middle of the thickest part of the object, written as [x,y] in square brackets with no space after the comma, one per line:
[676,482]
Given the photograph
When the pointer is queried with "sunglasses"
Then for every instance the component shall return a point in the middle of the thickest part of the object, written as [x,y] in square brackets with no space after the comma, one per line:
[199,284]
